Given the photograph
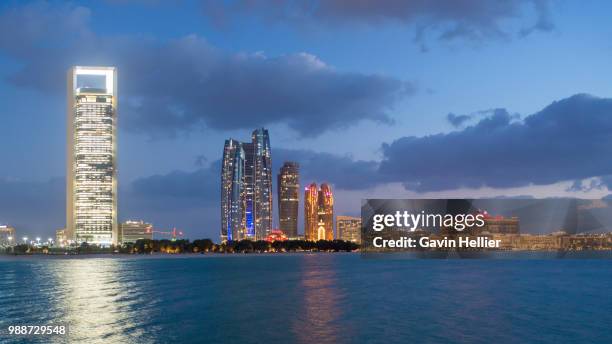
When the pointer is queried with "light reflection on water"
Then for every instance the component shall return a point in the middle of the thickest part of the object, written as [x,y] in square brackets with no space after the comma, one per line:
[309,298]
[320,302]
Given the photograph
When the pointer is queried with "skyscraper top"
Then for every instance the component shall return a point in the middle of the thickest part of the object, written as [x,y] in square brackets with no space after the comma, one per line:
[98,79]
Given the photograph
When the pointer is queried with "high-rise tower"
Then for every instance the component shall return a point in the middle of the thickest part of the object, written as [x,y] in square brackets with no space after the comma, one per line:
[262,183]
[233,193]
[311,209]
[318,213]
[254,182]
[91,178]
[325,223]
[288,198]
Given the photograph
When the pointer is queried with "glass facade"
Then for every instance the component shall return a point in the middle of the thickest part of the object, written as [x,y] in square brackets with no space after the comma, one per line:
[233,192]
[288,198]
[247,188]
[92,167]
[262,183]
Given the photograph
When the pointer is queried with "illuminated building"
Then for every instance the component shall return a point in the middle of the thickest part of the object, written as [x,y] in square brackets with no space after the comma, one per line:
[318,212]
[310,211]
[131,231]
[262,183]
[348,228]
[276,235]
[253,188]
[7,236]
[60,237]
[91,178]
[233,195]
[289,198]
[326,213]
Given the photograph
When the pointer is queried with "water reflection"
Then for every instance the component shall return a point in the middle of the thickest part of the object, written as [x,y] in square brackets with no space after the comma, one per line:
[101,304]
[317,321]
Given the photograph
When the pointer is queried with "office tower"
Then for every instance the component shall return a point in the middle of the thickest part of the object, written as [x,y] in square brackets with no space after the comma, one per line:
[91,178]
[233,200]
[288,198]
[311,208]
[7,236]
[325,223]
[262,183]
[348,228]
[131,231]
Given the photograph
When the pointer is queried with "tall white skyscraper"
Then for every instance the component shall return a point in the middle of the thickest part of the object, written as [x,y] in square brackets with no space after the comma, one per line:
[91,178]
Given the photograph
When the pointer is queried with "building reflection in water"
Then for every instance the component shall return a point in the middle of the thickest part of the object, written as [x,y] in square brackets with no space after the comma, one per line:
[100,304]
[318,319]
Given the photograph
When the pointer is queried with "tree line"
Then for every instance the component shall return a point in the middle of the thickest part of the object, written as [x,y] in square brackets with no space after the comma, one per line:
[147,246]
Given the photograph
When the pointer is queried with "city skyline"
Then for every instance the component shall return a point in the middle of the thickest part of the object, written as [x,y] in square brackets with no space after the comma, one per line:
[378,103]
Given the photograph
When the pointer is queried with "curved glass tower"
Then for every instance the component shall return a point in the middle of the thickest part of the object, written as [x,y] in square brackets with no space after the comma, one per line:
[233,194]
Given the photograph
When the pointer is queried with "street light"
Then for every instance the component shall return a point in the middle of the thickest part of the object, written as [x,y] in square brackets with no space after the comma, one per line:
[25,240]
[38,240]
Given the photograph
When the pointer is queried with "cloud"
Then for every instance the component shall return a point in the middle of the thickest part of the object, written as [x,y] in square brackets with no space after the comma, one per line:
[474,20]
[568,140]
[457,120]
[179,85]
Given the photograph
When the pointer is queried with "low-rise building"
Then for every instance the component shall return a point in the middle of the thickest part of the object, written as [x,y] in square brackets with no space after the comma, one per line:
[7,235]
[349,228]
[61,239]
[131,231]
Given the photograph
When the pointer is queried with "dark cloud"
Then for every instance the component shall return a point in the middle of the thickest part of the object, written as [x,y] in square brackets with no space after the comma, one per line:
[460,120]
[570,139]
[179,85]
[474,20]
[457,120]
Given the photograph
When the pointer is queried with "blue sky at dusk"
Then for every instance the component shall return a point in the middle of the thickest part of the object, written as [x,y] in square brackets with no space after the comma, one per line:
[382,99]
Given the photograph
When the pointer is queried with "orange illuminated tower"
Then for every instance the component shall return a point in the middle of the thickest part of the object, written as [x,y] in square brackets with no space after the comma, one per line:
[319,212]
[311,209]
[325,213]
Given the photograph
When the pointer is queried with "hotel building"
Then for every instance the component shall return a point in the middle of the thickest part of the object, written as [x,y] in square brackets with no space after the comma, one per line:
[91,178]
[318,212]
[289,198]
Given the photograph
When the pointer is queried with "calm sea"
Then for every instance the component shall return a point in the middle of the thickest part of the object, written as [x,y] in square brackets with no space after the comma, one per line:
[308,298]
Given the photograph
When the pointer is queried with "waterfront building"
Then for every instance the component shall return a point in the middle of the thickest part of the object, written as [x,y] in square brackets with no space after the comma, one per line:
[7,236]
[247,188]
[233,195]
[262,183]
[60,237]
[131,231]
[326,213]
[91,178]
[348,228]
[318,212]
[310,212]
[288,198]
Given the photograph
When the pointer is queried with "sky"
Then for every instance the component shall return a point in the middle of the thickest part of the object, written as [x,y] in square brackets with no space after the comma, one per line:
[381,99]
